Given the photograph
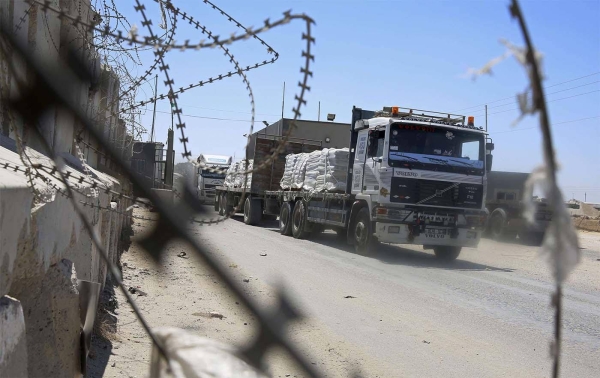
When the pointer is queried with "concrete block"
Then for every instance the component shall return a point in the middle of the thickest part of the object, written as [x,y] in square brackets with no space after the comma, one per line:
[13,340]
[51,310]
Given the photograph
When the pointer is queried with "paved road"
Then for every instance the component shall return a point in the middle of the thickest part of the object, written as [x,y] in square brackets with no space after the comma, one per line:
[485,315]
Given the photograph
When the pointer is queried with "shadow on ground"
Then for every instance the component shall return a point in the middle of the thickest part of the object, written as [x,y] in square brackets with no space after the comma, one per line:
[390,254]
[105,329]
[394,254]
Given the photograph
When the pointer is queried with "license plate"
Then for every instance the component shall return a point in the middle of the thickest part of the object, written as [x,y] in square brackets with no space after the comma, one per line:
[435,233]
[436,218]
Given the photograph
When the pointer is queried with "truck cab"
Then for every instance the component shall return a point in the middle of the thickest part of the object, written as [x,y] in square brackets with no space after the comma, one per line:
[505,202]
[422,176]
[211,171]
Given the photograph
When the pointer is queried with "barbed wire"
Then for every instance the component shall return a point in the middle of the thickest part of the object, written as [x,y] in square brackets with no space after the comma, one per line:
[48,86]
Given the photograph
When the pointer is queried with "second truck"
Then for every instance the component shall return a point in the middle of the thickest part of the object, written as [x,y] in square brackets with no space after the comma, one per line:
[414,177]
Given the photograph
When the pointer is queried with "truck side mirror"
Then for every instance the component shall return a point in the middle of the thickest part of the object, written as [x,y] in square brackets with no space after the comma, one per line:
[489,147]
[489,158]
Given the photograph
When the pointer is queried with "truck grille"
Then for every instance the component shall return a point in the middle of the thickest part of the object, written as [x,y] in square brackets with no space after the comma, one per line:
[436,193]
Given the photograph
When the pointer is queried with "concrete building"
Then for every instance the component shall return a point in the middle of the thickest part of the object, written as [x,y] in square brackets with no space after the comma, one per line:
[330,134]
[149,160]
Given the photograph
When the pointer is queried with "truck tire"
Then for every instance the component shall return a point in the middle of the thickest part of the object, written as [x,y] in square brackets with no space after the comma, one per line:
[446,252]
[227,208]
[364,241]
[497,226]
[221,204]
[285,218]
[299,222]
[252,211]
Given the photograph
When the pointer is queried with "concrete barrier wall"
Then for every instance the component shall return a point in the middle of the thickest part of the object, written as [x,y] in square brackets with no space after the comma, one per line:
[44,249]
[587,224]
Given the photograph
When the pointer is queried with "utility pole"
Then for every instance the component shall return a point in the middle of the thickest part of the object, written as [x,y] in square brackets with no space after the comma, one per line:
[154,112]
[319,116]
[283,100]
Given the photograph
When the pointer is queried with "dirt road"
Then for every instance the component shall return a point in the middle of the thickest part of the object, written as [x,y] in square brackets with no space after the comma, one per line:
[399,313]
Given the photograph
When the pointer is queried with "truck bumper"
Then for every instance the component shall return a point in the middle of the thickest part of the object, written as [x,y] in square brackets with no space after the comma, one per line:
[431,236]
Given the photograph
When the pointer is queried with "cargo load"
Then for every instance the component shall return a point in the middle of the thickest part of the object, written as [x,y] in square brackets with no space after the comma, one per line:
[288,173]
[299,170]
[324,170]
[236,173]
[230,175]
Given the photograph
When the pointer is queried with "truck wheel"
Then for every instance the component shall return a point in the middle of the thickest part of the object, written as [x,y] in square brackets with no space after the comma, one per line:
[252,211]
[285,218]
[446,253]
[497,225]
[299,222]
[221,204]
[364,241]
[228,209]
[216,204]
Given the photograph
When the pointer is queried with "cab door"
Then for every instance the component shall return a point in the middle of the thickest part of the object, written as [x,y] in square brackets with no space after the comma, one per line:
[374,161]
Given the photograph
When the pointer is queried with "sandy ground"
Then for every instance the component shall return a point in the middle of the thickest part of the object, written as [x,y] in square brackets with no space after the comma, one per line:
[486,315]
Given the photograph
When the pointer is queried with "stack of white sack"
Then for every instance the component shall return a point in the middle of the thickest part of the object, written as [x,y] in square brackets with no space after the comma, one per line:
[249,168]
[242,167]
[313,163]
[333,170]
[230,175]
[299,170]
[288,172]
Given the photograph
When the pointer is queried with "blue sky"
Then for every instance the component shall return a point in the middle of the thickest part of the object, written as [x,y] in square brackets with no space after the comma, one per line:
[407,53]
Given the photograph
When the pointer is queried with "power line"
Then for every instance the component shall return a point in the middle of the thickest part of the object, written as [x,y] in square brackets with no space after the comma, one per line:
[554,124]
[259,121]
[557,99]
[547,94]
[550,86]
[227,111]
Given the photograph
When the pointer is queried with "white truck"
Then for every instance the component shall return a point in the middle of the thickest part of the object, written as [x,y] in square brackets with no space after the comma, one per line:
[210,173]
[414,177]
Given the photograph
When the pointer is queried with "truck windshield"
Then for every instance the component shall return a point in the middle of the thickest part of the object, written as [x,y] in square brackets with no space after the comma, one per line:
[429,147]
[219,174]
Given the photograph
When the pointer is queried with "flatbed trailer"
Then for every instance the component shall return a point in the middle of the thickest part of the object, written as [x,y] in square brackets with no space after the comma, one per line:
[266,176]
[330,210]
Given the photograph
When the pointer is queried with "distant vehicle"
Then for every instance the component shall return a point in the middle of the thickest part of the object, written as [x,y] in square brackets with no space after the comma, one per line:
[210,173]
[505,204]
[413,177]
